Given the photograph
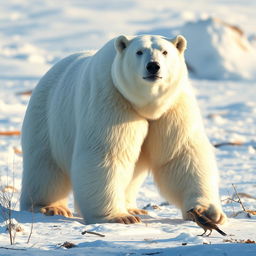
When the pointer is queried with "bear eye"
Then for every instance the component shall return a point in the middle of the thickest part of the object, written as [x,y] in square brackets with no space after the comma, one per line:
[139,52]
[165,52]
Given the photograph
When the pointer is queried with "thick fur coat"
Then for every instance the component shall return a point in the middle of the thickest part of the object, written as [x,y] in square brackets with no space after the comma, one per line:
[97,123]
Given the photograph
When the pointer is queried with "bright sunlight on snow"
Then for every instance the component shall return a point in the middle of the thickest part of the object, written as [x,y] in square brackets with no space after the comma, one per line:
[221,58]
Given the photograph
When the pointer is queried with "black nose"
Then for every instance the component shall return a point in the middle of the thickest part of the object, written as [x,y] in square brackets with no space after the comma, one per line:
[153,67]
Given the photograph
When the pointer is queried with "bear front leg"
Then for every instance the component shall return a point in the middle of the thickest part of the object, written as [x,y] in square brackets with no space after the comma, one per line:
[139,175]
[103,166]
[99,190]
[190,180]
[183,161]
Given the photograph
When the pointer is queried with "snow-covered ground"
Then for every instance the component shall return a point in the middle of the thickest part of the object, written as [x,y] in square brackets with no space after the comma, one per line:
[35,34]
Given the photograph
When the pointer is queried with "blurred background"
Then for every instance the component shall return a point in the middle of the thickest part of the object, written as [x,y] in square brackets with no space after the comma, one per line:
[35,34]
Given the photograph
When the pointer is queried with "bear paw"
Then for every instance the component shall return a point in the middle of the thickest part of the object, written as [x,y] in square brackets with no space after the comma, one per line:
[135,211]
[56,210]
[126,219]
[212,212]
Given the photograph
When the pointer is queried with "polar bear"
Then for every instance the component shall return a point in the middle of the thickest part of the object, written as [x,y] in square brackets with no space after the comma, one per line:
[98,123]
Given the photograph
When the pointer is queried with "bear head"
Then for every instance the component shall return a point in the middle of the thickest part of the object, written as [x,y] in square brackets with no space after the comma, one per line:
[148,71]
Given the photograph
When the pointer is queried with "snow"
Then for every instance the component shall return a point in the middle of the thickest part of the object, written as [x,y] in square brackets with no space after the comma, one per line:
[36,34]
[216,46]
[219,48]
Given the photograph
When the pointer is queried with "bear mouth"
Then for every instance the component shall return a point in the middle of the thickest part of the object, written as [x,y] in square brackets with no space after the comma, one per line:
[152,77]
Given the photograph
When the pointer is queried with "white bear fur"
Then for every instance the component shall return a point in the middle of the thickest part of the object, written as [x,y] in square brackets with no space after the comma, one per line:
[95,125]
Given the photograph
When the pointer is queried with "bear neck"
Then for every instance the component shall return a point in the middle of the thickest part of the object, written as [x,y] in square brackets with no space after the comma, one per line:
[155,107]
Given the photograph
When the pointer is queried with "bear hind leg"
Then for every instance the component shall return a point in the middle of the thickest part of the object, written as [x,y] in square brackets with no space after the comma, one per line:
[45,187]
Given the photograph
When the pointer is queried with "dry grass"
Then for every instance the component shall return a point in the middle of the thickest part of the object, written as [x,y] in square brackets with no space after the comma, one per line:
[6,202]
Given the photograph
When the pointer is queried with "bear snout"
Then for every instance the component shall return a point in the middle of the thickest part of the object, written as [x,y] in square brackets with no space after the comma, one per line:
[153,67]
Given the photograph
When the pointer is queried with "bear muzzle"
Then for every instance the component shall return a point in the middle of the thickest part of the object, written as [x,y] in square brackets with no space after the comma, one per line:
[153,68]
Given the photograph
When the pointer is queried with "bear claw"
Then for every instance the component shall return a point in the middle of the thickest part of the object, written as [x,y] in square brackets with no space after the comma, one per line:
[56,210]
[126,219]
[135,211]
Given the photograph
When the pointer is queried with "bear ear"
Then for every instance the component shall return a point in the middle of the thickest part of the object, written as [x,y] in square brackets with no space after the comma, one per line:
[121,43]
[180,43]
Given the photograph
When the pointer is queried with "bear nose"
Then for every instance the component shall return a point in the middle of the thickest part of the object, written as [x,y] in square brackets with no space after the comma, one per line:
[153,67]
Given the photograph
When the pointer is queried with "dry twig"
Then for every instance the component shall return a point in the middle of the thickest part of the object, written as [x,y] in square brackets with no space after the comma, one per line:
[6,203]
[238,197]
[29,92]
[10,133]
[235,143]
[248,212]
[92,233]
[32,223]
